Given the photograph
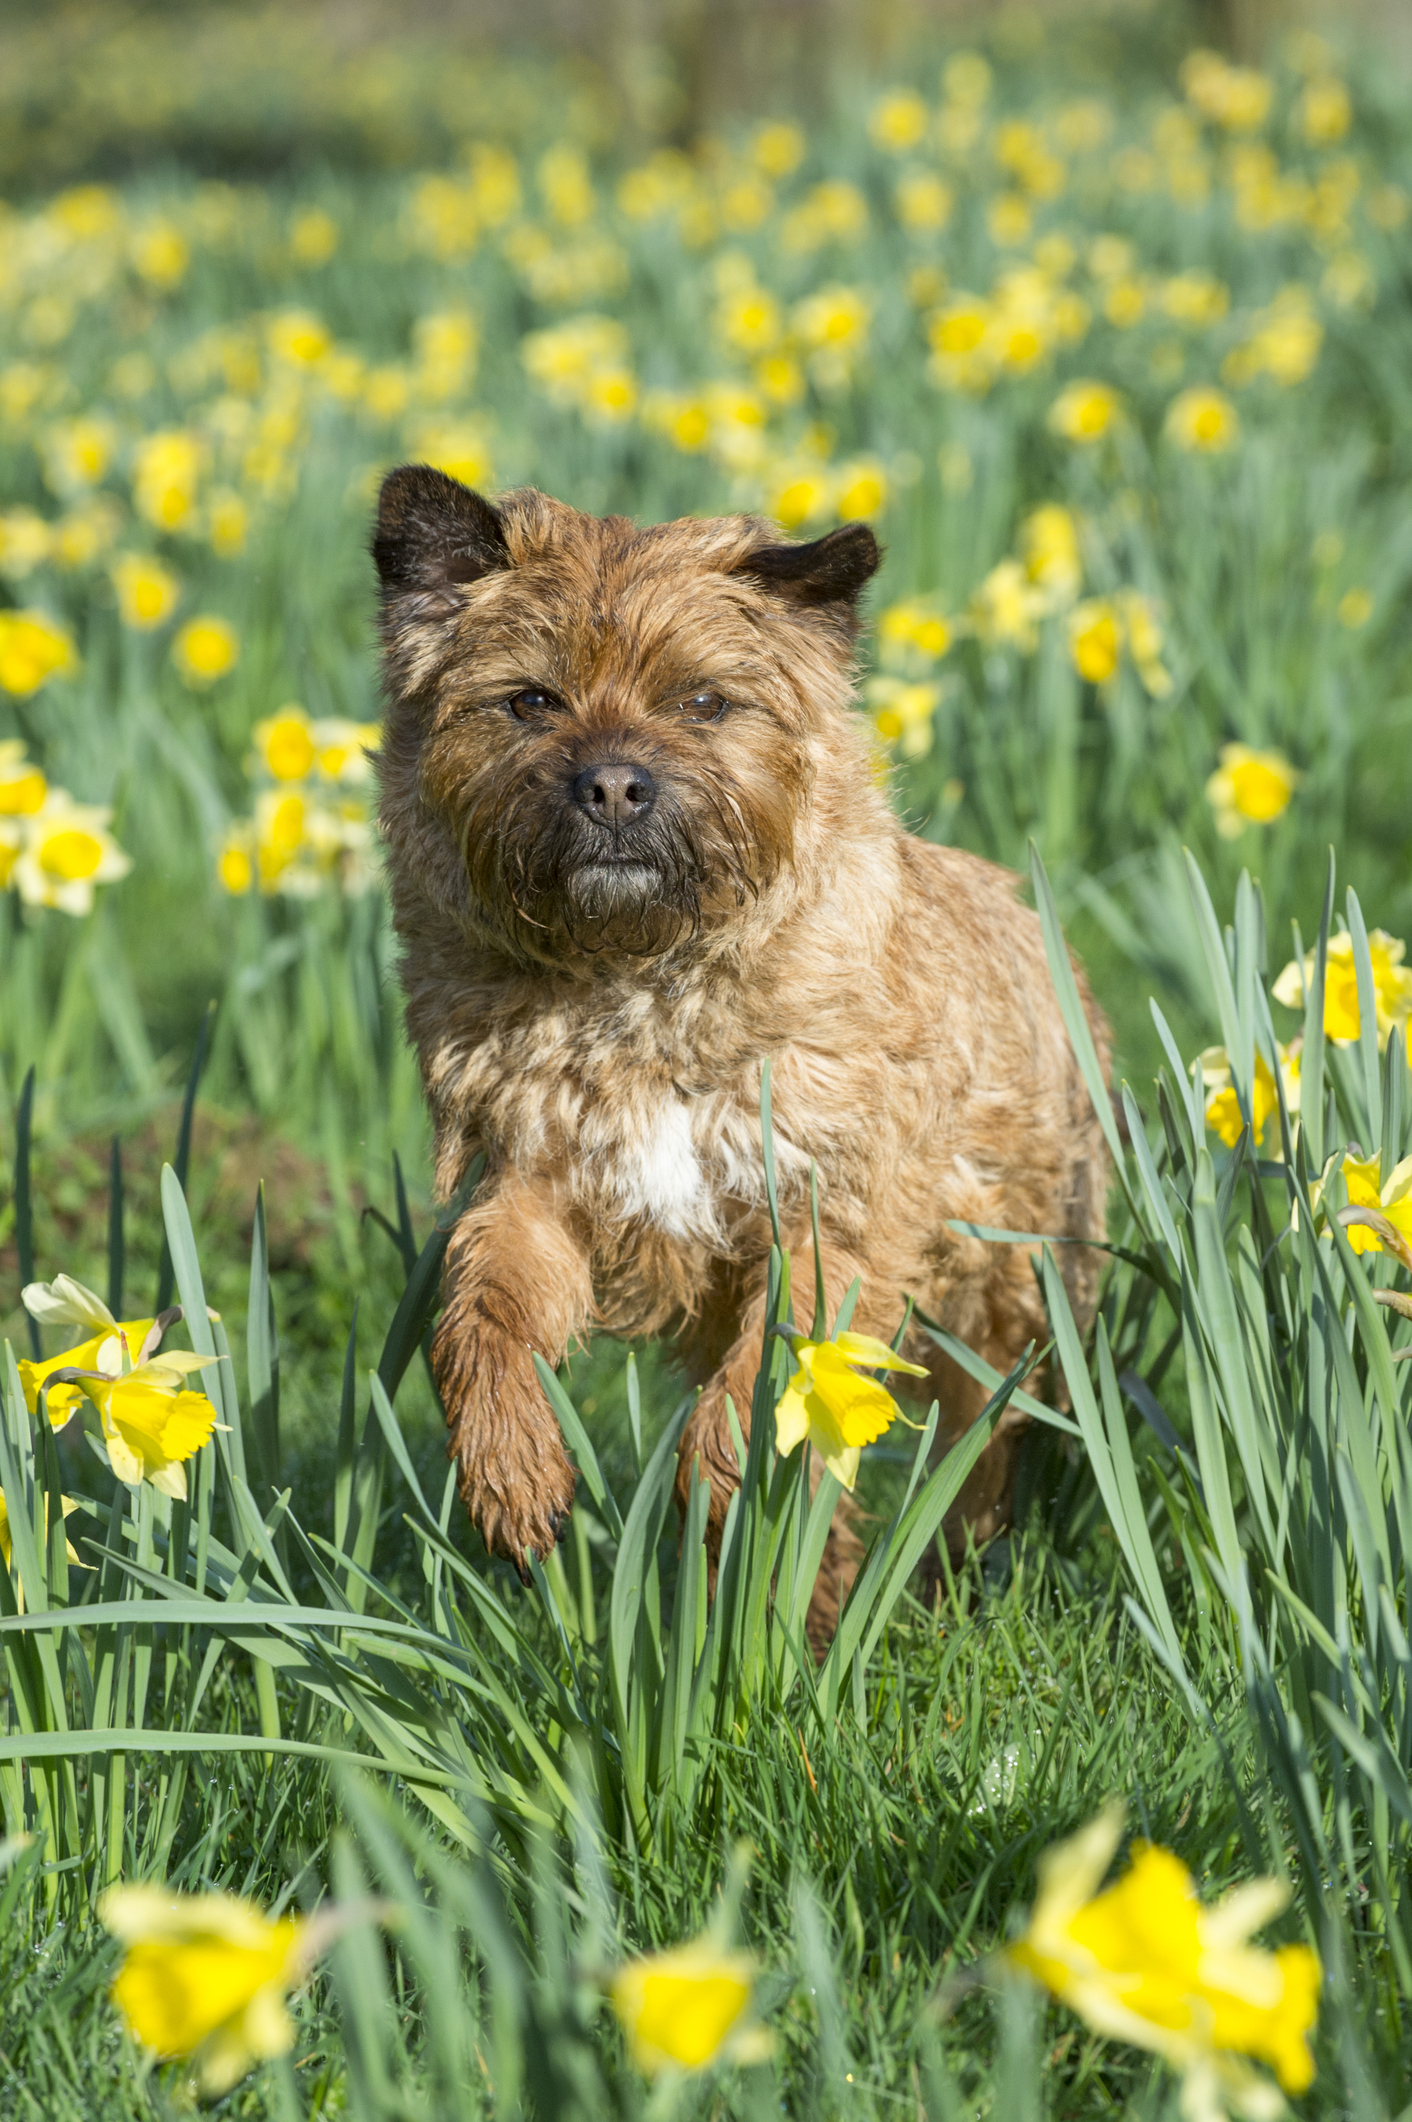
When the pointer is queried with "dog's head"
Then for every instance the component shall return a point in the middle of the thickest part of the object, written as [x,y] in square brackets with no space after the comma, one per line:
[603,739]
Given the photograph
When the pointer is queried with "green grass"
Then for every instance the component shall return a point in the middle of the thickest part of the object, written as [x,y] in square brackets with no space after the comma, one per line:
[1217,1636]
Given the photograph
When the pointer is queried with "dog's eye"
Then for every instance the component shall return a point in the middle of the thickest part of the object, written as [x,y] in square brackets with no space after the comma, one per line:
[702,707]
[530,701]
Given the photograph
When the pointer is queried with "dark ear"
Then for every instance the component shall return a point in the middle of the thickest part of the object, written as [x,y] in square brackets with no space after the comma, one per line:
[432,532]
[831,570]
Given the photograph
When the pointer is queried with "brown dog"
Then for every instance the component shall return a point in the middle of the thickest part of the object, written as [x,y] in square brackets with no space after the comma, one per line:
[636,847]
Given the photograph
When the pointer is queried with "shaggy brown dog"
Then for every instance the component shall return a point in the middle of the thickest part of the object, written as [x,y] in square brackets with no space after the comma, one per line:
[636,846]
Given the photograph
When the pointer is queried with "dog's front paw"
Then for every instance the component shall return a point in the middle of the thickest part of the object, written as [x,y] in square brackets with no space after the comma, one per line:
[515,1478]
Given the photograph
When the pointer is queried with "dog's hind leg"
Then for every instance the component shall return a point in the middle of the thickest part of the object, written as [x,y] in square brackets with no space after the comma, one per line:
[707,1445]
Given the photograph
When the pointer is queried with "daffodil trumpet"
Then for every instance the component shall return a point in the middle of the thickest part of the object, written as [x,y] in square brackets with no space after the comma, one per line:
[205,1976]
[150,1424]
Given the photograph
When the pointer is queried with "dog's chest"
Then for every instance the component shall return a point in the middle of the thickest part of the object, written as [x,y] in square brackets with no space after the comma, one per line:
[638,1124]
[647,1152]
[661,1177]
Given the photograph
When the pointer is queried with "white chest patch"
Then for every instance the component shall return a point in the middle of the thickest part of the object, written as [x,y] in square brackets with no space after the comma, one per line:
[662,1178]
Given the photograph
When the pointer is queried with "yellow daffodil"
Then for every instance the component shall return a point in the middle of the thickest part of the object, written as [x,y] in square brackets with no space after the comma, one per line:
[206,1976]
[446,343]
[1390,1198]
[147,591]
[235,859]
[166,473]
[687,2008]
[280,822]
[227,523]
[69,1506]
[1392,985]
[64,1302]
[1095,639]
[1235,97]
[1195,299]
[833,324]
[1249,788]
[898,121]
[1007,607]
[1049,541]
[461,448]
[1143,636]
[563,358]
[748,318]
[161,254]
[67,851]
[1085,412]
[861,489]
[832,212]
[1355,609]
[904,714]
[777,149]
[26,542]
[827,1402]
[1325,111]
[915,624]
[22,785]
[86,212]
[296,337]
[205,649]
[33,649]
[78,452]
[285,745]
[1203,420]
[957,334]
[1223,1113]
[341,749]
[1147,1963]
[151,1425]
[798,492]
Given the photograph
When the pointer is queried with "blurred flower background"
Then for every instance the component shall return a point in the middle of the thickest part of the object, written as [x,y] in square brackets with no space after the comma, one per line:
[1096,322]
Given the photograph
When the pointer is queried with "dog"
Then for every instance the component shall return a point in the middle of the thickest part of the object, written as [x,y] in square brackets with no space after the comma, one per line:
[637,846]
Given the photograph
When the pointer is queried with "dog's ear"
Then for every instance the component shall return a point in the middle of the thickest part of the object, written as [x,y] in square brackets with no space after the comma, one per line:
[433,533]
[830,571]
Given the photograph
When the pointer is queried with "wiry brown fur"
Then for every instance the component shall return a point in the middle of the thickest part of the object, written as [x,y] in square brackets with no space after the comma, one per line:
[599,1032]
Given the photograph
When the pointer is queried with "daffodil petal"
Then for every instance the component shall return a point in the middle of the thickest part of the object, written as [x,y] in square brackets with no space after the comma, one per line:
[876,1355]
[64,1302]
[791,1417]
[843,1465]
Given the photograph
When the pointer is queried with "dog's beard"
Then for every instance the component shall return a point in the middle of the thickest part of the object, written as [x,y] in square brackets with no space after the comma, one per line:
[570,886]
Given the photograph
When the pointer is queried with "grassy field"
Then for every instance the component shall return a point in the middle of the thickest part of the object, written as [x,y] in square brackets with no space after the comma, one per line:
[1111,344]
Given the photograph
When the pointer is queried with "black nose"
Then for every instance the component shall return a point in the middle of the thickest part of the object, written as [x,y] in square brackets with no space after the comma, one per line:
[615,794]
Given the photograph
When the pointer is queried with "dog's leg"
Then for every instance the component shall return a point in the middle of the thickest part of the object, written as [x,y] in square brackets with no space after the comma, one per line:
[707,1437]
[516,1282]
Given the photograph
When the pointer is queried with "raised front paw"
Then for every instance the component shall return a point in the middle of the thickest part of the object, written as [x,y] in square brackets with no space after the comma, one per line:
[515,1477]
